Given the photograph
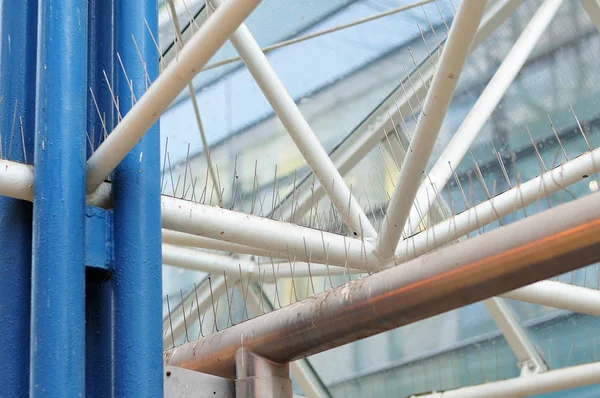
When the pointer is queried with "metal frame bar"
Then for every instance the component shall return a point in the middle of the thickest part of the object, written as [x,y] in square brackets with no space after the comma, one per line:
[300,131]
[98,287]
[592,7]
[530,360]
[136,221]
[487,102]
[553,380]
[437,101]
[202,220]
[463,273]
[165,89]
[559,295]
[372,131]
[303,372]
[18,26]
[58,250]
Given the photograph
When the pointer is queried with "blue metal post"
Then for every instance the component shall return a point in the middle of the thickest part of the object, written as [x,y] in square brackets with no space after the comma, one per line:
[18,37]
[98,289]
[136,197]
[58,266]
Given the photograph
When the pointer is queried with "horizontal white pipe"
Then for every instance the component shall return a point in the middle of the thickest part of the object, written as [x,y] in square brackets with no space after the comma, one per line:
[300,131]
[216,264]
[239,231]
[430,120]
[183,239]
[206,261]
[553,380]
[502,205]
[461,141]
[16,181]
[559,295]
[295,241]
[190,60]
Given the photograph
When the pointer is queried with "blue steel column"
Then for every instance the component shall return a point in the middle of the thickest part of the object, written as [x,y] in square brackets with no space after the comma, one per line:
[18,35]
[58,269]
[136,197]
[98,287]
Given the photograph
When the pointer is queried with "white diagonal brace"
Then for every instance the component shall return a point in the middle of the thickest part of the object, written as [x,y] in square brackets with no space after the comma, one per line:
[373,130]
[530,360]
[301,132]
[488,101]
[165,89]
[592,7]
[436,104]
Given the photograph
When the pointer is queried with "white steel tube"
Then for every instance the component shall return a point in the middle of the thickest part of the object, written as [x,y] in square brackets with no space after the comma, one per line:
[16,181]
[243,268]
[372,130]
[183,239]
[506,203]
[300,131]
[553,380]
[592,7]
[295,241]
[192,58]
[559,295]
[488,101]
[530,360]
[206,261]
[428,126]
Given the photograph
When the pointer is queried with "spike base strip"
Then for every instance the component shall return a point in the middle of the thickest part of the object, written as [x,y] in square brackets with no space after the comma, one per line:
[205,43]
[430,120]
[466,272]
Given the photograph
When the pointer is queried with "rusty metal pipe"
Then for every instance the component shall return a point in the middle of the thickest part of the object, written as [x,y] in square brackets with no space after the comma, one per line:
[559,240]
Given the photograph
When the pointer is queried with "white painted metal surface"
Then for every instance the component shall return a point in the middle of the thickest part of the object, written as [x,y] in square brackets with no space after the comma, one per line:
[436,104]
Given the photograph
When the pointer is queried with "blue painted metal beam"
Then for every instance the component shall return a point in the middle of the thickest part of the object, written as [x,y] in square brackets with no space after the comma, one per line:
[18,37]
[98,288]
[98,303]
[136,197]
[58,266]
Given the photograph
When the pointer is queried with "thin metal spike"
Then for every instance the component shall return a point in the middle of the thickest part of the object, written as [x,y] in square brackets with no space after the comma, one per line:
[170,322]
[144,65]
[537,152]
[162,178]
[243,291]
[212,300]
[501,162]
[23,139]
[160,55]
[558,138]
[198,309]
[442,15]
[227,296]
[114,98]
[437,40]
[275,281]
[12,130]
[413,88]
[184,317]
[416,64]
[587,143]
